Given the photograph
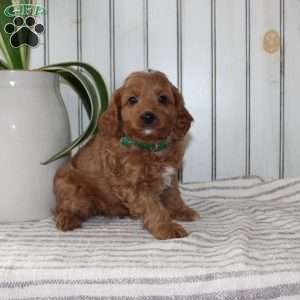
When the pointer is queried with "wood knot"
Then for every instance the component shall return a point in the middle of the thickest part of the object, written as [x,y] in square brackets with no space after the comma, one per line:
[271,42]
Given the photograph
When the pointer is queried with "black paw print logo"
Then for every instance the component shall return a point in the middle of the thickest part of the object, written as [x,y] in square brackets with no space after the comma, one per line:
[24,32]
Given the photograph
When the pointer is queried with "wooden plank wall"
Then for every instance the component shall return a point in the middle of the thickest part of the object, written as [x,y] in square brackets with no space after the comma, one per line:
[236,61]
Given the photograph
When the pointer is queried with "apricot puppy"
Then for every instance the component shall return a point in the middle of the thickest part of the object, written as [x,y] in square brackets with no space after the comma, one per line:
[129,168]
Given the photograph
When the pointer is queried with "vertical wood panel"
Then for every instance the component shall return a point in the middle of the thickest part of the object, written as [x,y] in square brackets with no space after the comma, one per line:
[46,34]
[213,69]
[244,109]
[146,33]
[112,50]
[248,87]
[62,29]
[95,44]
[292,94]
[179,59]
[265,93]
[163,37]
[282,90]
[230,87]
[37,53]
[81,112]
[129,38]
[197,88]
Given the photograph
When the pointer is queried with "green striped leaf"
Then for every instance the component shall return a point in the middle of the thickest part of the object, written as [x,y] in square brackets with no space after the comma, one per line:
[72,80]
[25,50]
[88,95]
[3,65]
[95,76]
[16,58]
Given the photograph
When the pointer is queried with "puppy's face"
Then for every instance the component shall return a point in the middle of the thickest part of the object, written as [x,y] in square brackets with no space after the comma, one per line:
[148,106]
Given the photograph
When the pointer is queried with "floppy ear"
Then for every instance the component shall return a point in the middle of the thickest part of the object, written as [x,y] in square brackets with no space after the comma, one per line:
[184,118]
[109,123]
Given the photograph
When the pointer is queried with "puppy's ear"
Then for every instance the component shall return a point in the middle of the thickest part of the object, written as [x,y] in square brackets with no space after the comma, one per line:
[109,123]
[184,118]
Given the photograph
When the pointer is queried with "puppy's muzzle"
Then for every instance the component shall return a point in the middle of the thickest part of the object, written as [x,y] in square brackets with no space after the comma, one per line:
[148,118]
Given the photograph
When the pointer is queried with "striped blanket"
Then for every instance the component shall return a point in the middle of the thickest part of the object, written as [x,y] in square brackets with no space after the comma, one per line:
[246,246]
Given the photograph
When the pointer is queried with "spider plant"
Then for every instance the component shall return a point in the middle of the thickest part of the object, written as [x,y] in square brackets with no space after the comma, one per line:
[83,78]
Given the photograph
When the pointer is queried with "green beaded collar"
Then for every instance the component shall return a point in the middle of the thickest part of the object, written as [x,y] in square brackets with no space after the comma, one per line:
[126,141]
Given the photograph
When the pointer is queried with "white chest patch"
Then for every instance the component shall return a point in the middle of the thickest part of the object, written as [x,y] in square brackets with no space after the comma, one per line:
[167,176]
[148,131]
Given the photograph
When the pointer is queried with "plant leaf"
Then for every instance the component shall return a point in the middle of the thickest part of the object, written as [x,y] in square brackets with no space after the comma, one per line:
[3,65]
[24,50]
[78,88]
[13,57]
[90,96]
[94,74]
[24,53]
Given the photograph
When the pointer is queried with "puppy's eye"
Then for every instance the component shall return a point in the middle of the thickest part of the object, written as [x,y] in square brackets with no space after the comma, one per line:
[133,100]
[163,99]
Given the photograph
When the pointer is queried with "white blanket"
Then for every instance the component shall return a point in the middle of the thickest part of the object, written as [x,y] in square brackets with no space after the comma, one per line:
[245,246]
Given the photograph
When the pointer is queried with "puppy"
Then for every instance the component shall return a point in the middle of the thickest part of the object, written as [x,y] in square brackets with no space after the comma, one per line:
[129,168]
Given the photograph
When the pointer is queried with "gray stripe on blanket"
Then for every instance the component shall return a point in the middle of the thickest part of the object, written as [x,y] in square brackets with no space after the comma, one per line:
[282,185]
[253,294]
[145,280]
[193,265]
[250,197]
[235,178]
[226,187]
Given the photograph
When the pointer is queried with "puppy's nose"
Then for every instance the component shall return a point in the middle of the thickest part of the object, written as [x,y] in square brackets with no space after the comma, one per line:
[148,117]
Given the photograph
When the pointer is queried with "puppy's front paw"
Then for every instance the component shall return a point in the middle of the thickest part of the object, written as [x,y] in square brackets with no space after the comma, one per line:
[66,221]
[185,214]
[169,231]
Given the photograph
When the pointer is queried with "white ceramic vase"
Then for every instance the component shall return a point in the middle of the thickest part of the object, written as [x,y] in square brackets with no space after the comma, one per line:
[34,125]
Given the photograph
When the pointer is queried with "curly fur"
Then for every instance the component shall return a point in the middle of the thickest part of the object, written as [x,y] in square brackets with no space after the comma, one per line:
[110,179]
